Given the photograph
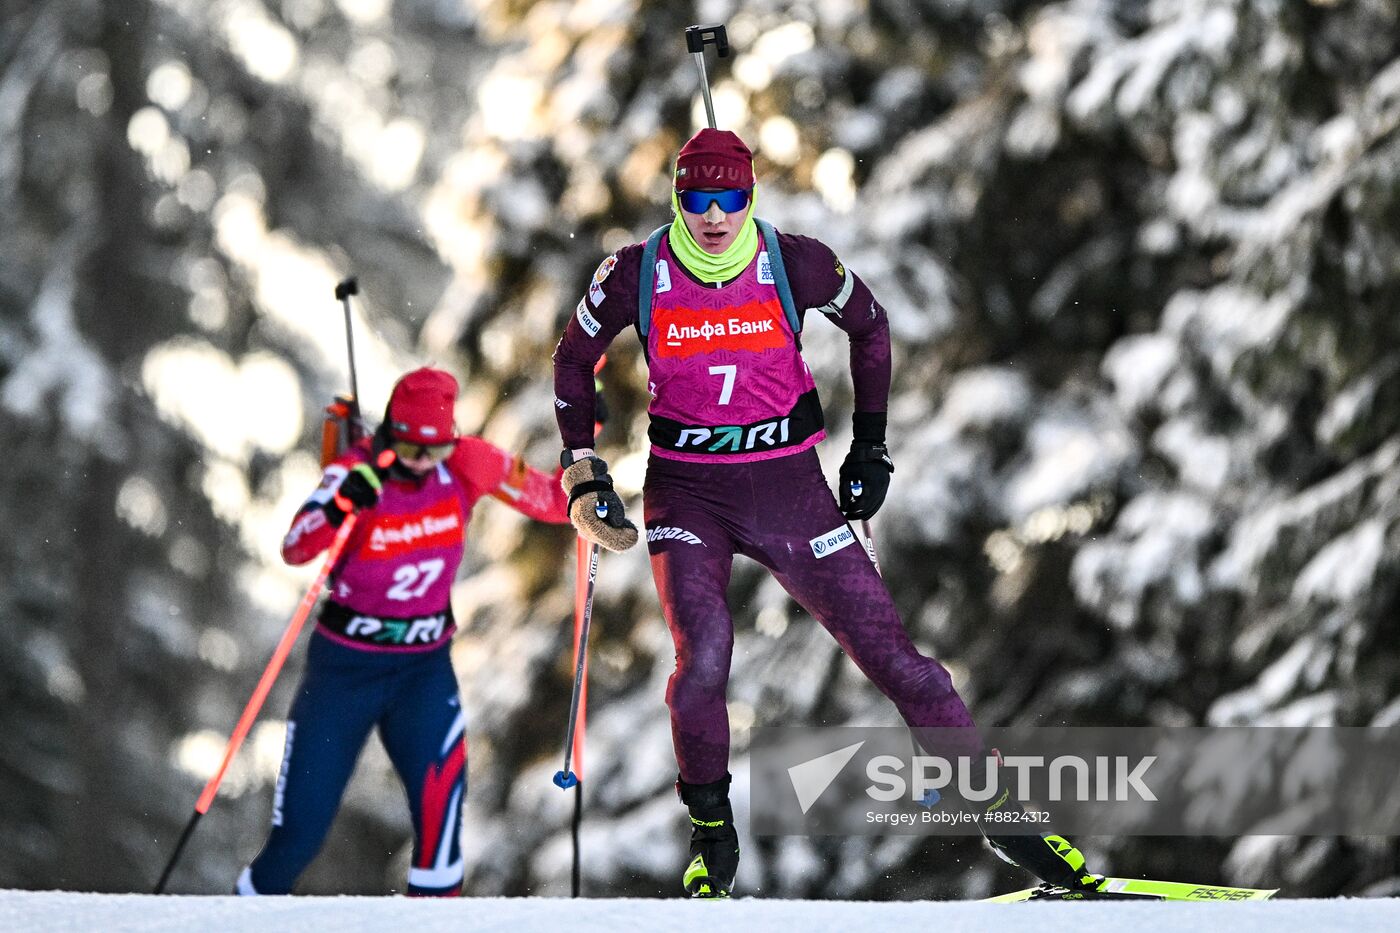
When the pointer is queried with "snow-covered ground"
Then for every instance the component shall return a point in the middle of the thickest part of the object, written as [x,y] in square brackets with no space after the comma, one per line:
[58,911]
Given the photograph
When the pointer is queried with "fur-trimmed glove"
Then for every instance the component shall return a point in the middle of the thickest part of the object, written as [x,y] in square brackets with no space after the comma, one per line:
[594,508]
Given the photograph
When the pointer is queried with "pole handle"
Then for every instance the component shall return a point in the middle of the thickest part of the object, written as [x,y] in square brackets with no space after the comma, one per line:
[697,37]
[343,290]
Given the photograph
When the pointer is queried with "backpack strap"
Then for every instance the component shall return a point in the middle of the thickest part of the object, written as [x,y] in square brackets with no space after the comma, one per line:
[780,279]
[646,283]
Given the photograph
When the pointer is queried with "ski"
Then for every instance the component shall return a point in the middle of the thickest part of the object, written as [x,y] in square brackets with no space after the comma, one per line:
[1138,889]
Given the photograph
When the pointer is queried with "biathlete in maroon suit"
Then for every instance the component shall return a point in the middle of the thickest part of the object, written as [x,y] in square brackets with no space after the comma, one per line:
[380,653]
[734,419]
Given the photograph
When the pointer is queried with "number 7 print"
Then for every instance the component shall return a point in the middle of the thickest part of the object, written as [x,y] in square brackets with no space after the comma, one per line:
[728,372]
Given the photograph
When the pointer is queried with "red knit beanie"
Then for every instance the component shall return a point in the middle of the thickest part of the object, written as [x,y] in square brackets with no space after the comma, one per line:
[714,159]
[420,407]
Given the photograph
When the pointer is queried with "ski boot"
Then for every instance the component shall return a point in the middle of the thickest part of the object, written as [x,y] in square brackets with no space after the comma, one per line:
[1051,858]
[714,843]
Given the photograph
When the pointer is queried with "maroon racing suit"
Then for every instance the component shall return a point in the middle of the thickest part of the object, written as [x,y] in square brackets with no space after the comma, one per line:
[733,470]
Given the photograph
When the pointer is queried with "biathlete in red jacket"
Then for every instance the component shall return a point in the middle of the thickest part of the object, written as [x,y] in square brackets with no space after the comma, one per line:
[380,653]
[734,419]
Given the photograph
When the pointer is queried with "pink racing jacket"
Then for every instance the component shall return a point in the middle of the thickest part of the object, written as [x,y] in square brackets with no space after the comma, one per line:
[391,589]
[726,375]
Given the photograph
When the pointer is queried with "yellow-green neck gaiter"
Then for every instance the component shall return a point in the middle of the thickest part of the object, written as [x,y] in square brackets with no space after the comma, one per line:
[706,267]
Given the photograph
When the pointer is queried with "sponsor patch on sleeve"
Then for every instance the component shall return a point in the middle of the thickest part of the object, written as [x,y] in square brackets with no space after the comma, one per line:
[595,288]
[832,541]
[838,301]
[587,321]
[605,269]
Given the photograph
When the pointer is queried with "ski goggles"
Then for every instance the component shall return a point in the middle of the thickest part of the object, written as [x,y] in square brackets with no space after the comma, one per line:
[407,450]
[730,200]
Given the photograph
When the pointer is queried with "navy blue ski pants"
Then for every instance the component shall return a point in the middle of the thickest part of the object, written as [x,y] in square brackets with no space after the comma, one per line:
[346,692]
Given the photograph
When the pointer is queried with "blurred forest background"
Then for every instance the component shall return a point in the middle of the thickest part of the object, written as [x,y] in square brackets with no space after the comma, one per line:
[1142,265]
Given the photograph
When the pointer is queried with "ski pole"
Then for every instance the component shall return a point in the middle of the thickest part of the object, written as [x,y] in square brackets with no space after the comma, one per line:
[576,875]
[582,605]
[567,778]
[269,675]
[255,702]
[869,543]
[343,291]
[696,38]
[583,612]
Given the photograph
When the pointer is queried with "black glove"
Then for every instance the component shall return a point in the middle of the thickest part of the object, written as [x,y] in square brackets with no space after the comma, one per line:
[865,473]
[359,490]
[594,508]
